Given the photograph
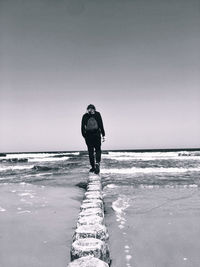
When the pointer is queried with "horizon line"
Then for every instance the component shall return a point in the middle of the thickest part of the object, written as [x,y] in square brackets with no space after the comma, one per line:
[122,149]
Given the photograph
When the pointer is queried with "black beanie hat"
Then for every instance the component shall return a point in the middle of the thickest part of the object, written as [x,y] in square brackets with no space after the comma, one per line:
[91,106]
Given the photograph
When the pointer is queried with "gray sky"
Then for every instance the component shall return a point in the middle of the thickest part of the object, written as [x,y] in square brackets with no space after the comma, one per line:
[138,61]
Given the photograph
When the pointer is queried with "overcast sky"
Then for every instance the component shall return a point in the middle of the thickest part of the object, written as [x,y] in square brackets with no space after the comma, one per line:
[138,61]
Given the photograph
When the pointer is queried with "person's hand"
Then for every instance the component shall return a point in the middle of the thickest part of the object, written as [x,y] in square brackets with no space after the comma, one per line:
[103,139]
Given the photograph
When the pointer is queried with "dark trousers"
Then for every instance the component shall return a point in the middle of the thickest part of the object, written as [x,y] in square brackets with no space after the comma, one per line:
[93,142]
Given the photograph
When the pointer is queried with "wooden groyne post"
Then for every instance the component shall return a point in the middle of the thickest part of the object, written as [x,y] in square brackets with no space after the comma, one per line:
[90,240]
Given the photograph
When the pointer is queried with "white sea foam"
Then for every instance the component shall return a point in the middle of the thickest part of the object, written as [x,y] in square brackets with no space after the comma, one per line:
[24,184]
[149,170]
[119,206]
[38,174]
[38,155]
[150,154]
[73,153]
[24,211]
[131,158]
[17,167]
[26,194]
[127,156]
[141,154]
[111,186]
[193,185]
[2,209]
[42,174]
[47,159]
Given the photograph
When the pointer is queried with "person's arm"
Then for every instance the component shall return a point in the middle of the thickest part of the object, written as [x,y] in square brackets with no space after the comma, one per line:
[101,125]
[83,126]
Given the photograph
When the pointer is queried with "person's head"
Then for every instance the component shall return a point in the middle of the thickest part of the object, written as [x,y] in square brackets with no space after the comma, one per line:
[91,109]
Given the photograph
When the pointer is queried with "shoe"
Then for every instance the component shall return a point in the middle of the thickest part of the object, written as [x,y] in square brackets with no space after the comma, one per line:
[97,168]
[92,170]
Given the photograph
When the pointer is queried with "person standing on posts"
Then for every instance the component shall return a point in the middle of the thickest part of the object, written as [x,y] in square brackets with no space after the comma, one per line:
[92,130]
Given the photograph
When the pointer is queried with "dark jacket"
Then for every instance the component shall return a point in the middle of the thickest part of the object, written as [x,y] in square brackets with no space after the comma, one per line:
[98,118]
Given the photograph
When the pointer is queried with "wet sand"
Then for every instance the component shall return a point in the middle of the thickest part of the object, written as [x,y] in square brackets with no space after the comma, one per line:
[165,241]
[166,235]
[37,224]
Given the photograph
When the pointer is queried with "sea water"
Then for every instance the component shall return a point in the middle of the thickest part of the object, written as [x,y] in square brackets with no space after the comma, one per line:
[152,202]
[152,206]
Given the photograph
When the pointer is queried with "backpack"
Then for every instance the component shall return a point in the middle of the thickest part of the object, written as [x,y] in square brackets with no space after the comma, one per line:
[91,124]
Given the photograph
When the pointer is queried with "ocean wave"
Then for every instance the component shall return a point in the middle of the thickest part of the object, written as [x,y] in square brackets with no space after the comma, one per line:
[12,168]
[47,159]
[131,158]
[44,168]
[149,170]
[43,174]
[152,155]
[169,185]
[142,154]
[14,160]
[180,186]
[28,167]
[38,155]
[189,154]
[74,153]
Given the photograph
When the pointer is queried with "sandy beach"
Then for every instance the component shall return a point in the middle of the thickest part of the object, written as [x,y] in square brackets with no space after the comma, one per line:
[36,224]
